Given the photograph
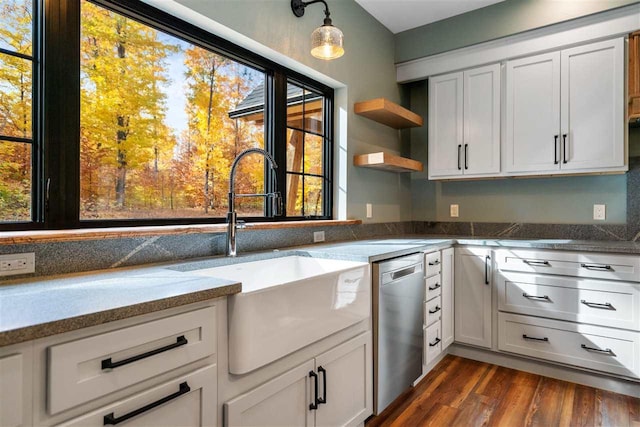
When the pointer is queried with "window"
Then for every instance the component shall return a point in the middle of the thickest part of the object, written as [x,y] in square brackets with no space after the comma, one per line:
[16,110]
[158,110]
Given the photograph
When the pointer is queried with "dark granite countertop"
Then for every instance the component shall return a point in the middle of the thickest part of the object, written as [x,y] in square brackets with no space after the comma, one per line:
[40,307]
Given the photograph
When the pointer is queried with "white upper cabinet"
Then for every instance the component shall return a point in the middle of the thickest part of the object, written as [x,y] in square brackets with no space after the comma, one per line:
[532,140]
[565,111]
[593,106]
[464,123]
[445,125]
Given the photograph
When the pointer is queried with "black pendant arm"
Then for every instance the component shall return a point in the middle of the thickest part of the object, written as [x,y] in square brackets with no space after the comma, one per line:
[298,6]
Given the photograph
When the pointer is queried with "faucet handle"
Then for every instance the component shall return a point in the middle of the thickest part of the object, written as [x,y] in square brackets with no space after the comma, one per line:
[276,204]
[241,224]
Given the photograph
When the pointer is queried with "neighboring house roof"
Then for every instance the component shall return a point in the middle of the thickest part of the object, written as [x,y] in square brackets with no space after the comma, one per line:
[254,102]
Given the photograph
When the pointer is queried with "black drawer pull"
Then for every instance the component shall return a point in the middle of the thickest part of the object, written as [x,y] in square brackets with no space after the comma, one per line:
[544,297]
[435,343]
[314,405]
[435,310]
[108,364]
[323,400]
[597,350]
[605,306]
[111,420]
[526,337]
[534,262]
[596,267]
[436,262]
[436,286]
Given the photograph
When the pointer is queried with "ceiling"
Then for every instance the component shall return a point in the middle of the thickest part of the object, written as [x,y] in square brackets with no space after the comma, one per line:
[401,15]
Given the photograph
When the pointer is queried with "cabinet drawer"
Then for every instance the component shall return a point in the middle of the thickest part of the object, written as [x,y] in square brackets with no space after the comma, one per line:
[432,311]
[589,265]
[432,263]
[611,304]
[604,349]
[187,401]
[432,344]
[433,287]
[11,393]
[80,371]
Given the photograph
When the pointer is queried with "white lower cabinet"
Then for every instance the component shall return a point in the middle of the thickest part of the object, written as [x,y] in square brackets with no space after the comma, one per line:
[15,385]
[473,296]
[187,401]
[433,342]
[333,389]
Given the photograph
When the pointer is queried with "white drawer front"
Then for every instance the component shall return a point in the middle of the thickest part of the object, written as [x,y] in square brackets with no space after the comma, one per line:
[188,401]
[611,304]
[11,403]
[433,342]
[432,263]
[433,287]
[432,311]
[586,264]
[78,370]
[604,349]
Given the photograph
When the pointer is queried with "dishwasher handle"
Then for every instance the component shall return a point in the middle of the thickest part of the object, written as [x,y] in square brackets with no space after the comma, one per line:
[404,272]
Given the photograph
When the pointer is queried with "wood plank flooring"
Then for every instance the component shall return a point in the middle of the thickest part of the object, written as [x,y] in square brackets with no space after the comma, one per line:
[463,392]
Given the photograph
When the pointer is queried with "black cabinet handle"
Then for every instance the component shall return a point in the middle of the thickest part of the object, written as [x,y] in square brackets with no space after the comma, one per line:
[314,405]
[323,400]
[555,149]
[111,420]
[435,343]
[607,351]
[596,267]
[564,148]
[486,269]
[527,337]
[108,364]
[436,286]
[434,311]
[605,306]
[459,147]
[436,262]
[544,297]
[534,262]
[466,156]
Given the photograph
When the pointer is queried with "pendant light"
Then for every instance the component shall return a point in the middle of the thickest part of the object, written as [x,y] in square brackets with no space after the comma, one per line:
[326,40]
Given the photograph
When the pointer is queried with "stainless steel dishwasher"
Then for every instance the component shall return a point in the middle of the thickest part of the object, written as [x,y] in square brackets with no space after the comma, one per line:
[398,317]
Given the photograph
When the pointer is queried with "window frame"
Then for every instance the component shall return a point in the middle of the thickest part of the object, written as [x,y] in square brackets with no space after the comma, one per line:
[56,115]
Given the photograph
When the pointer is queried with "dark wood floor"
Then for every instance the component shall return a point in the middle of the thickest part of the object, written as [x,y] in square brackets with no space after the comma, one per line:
[463,392]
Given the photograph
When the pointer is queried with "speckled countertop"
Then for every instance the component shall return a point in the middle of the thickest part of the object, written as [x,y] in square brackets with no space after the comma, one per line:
[35,308]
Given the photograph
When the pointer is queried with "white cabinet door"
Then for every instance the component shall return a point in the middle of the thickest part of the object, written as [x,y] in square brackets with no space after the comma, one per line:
[188,401]
[445,125]
[15,385]
[593,106]
[482,120]
[532,139]
[473,296]
[447,297]
[347,371]
[283,401]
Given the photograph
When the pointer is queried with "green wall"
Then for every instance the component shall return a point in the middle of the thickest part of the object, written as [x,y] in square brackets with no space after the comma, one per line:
[492,22]
[365,71]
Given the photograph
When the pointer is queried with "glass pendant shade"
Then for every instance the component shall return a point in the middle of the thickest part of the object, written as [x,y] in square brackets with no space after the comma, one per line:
[327,42]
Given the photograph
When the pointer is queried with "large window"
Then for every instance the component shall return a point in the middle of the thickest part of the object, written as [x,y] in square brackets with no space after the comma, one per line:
[159,111]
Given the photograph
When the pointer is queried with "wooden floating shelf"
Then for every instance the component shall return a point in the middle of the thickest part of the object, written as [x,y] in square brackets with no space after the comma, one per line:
[387,162]
[388,113]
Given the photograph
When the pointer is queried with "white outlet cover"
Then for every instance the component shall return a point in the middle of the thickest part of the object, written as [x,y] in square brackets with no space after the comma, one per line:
[369,210]
[599,212]
[14,264]
[454,211]
[318,236]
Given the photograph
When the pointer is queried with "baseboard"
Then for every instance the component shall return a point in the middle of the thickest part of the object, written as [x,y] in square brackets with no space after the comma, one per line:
[565,373]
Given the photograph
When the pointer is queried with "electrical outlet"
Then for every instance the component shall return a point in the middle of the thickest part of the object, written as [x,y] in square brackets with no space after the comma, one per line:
[599,212]
[14,264]
[369,210]
[318,236]
[454,211]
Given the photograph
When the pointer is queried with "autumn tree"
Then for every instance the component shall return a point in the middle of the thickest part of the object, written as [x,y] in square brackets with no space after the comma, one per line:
[123,104]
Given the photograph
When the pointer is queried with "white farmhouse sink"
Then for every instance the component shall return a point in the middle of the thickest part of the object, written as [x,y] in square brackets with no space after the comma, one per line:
[290,302]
